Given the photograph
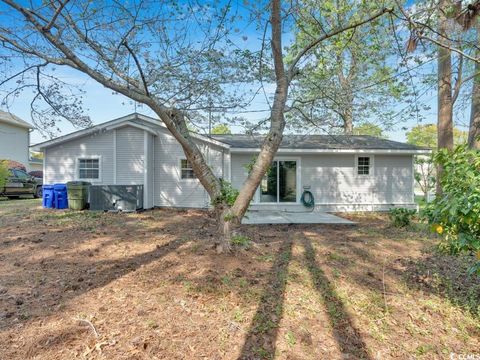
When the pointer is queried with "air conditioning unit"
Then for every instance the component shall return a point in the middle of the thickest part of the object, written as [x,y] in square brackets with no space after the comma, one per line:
[116,197]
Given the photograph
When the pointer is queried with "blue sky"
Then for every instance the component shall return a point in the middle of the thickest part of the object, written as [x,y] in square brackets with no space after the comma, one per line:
[101,105]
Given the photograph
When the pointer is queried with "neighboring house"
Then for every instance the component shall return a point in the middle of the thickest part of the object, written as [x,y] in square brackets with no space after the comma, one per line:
[344,173]
[35,164]
[14,138]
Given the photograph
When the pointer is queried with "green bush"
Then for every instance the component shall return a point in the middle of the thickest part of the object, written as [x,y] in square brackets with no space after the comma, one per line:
[401,217]
[240,240]
[456,214]
[229,194]
[3,173]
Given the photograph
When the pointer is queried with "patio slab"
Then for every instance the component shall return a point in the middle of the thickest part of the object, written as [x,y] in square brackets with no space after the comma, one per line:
[283,217]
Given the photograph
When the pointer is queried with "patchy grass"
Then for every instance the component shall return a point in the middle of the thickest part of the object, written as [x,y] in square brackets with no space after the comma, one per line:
[152,286]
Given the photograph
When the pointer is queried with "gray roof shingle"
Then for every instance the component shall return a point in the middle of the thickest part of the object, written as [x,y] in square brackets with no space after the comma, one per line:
[327,142]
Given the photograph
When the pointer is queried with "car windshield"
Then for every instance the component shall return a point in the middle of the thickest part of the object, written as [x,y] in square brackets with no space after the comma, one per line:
[20,174]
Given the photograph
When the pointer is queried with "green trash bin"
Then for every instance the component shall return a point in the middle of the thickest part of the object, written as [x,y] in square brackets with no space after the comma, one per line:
[77,194]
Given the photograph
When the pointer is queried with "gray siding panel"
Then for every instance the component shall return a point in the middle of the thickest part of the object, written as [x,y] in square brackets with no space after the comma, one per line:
[130,157]
[394,179]
[170,189]
[150,171]
[239,171]
[60,162]
[333,181]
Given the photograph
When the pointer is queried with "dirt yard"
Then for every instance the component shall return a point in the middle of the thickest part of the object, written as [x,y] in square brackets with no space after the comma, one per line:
[150,286]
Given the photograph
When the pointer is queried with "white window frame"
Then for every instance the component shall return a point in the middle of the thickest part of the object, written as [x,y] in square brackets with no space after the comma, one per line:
[298,160]
[371,166]
[195,179]
[89,157]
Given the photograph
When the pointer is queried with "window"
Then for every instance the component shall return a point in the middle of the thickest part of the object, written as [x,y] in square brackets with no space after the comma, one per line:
[186,171]
[21,174]
[279,183]
[89,169]
[363,165]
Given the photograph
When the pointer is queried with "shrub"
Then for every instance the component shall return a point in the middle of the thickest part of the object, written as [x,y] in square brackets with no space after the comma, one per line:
[3,173]
[401,217]
[456,214]
[229,194]
[240,240]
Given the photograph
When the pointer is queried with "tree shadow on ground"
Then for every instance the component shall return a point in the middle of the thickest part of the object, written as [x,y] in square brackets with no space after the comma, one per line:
[446,276]
[78,278]
[346,334]
[262,335]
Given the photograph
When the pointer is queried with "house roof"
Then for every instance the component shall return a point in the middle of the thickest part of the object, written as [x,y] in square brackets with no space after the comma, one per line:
[144,122]
[11,119]
[252,143]
[320,142]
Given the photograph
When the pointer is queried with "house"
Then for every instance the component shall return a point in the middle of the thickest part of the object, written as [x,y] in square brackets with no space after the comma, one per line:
[14,138]
[344,173]
[35,164]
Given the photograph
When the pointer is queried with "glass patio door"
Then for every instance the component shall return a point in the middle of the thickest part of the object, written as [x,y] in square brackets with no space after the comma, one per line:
[279,184]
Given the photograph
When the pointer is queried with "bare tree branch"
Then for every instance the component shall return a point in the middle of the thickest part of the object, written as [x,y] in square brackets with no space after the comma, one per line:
[55,15]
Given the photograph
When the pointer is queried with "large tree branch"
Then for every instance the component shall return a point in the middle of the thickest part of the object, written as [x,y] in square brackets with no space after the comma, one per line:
[172,118]
[458,80]
[273,139]
[72,58]
[418,28]
[55,15]
[139,67]
[110,63]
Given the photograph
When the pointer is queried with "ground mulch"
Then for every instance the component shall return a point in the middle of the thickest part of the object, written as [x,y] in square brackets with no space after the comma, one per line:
[150,285]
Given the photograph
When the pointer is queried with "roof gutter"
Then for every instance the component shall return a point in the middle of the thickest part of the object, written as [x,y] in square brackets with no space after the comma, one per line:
[338,151]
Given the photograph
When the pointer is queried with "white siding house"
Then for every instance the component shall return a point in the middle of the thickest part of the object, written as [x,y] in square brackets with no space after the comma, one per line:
[14,138]
[343,173]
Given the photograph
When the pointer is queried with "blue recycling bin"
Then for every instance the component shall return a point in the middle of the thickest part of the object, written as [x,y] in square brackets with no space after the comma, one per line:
[60,196]
[48,197]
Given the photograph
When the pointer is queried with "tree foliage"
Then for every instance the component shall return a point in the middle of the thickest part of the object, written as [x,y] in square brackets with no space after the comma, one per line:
[221,129]
[351,77]
[456,214]
[368,128]
[3,173]
[426,135]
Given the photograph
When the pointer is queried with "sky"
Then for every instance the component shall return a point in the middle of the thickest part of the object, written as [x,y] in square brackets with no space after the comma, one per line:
[101,105]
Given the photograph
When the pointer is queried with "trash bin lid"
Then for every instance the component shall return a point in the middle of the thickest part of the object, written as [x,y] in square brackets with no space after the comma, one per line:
[78,183]
[47,187]
[60,186]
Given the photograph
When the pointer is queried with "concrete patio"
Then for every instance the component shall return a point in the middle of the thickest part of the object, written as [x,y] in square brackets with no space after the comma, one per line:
[282,217]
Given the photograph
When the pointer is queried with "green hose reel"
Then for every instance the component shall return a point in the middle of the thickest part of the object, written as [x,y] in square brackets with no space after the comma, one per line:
[308,199]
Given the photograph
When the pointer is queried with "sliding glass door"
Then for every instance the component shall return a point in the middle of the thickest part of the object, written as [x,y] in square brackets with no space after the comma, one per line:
[280,183]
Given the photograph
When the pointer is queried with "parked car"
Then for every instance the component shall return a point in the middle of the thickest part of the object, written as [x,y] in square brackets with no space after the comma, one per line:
[21,183]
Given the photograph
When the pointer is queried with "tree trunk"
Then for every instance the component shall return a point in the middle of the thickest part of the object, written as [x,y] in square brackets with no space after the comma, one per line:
[445,102]
[225,226]
[348,122]
[277,121]
[474,129]
[230,217]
